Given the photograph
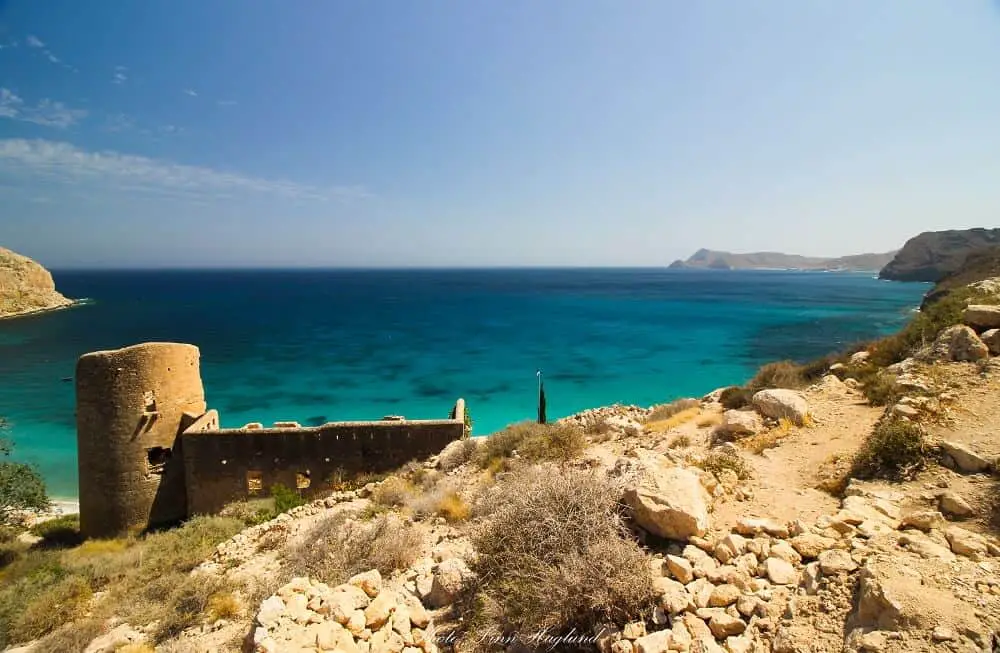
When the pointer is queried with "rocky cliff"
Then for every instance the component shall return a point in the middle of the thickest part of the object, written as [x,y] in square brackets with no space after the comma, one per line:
[26,287]
[933,255]
[716,260]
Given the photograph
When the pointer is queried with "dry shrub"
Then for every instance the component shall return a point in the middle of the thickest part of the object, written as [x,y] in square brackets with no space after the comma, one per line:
[666,411]
[339,547]
[599,428]
[736,397]
[782,374]
[222,605]
[834,474]
[881,389]
[554,555]
[719,460]
[532,441]
[65,601]
[186,603]
[768,439]
[672,422]
[250,511]
[895,449]
[682,440]
[394,491]
[456,455]
[712,419]
[73,636]
[442,500]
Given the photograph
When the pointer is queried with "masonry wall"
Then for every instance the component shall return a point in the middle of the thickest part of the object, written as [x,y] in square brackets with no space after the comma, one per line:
[221,466]
[131,405]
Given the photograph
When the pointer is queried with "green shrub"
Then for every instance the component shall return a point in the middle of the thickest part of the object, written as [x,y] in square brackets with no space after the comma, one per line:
[881,389]
[736,397]
[21,486]
[59,532]
[285,498]
[553,556]
[894,449]
[781,374]
[666,411]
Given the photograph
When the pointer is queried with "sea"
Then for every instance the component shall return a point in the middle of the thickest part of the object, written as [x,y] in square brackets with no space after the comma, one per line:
[323,345]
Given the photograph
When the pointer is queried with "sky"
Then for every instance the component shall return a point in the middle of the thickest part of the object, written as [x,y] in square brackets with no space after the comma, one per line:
[268,133]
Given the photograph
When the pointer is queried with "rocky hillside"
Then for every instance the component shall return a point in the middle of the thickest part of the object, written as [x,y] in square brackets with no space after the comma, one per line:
[933,255]
[26,287]
[979,265]
[714,260]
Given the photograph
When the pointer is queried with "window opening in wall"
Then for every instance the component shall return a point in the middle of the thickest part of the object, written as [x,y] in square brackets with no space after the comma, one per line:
[302,480]
[156,459]
[255,482]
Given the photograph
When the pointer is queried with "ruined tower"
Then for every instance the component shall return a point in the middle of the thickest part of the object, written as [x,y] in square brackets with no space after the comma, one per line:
[131,404]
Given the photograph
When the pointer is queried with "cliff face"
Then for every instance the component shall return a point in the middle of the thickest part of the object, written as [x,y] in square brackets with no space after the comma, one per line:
[25,286]
[706,259]
[933,255]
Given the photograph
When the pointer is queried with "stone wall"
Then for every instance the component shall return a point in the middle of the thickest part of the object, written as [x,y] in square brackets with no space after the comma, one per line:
[221,466]
[131,404]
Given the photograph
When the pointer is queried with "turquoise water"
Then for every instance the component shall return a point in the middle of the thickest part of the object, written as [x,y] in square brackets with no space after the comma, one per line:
[313,346]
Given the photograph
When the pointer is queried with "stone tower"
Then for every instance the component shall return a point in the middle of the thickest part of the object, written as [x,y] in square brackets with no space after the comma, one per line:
[131,404]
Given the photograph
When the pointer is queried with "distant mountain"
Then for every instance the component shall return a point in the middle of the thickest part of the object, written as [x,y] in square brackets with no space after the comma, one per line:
[933,255]
[706,259]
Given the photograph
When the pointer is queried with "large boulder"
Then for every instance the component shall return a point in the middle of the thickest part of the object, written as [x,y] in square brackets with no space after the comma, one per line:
[991,339]
[964,459]
[740,423]
[958,343]
[779,403]
[666,500]
[982,316]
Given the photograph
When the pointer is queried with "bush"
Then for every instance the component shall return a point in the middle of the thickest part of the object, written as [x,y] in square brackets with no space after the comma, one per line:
[881,389]
[894,449]
[533,442]
[666,411]
[187,603]
[21,486]
[285,498]
[393,491]
[59,532]
[456,455]
[251,511]
[74,636]
[339,547]
[554,555]
[782,374]
[719,460]
[736,397]
[443,501]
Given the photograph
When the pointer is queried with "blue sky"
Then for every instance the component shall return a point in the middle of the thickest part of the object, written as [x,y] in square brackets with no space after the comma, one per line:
[509,132]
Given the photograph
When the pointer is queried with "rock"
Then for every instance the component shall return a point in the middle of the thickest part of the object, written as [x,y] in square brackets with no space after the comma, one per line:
[667,501]
[673,597]
[723,625]
[860,357]
[778,402]
[270,610]
[723,596]
[450,577]
[810,545]
[741,644]
[966,460]
[380,609]
[836,561]
[370,582]
[924,547]
[966,543]
[679,568]
[923,520]
[954,505]
[958,343]
[740,423]
[991,339]
[943,634]
[786,552]
[780,572]
[810,579]
[118,638]
[634,630]
[793,639]
[904,410]
[751,526]
[981,316]
[658,642]
[25,286]
[701,591]
[874,641]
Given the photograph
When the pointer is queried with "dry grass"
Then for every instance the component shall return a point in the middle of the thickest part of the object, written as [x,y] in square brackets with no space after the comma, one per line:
[781,374]
[531,441]
[682,440]
[442,500]
[736,397]
[339,547]
[456,455]
[768,439]
[554,555]
[73,636]
[222,605]
[672,422]
[706,421]
[720,460]
[666,411]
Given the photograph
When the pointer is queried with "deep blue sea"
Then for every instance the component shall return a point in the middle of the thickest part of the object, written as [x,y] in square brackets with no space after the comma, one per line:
[313,346]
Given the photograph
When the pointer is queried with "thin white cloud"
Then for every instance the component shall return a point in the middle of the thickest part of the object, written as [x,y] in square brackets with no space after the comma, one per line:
[191,92]
[226,103]
[33,41]
[46,112]
[63,163]
[119,78]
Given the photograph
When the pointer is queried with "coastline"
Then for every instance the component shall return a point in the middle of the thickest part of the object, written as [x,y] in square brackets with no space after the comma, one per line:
[72,303]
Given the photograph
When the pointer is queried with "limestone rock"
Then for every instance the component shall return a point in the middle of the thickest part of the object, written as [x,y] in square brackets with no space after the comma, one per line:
[680,568]
[958,343]
[955,506]
[723,625]
[981,316]
[658,642]
[991,339]
[836,561]
[667,501]
[923,520]
[860,357]
[370,582]
[25,286]
[723,596]
[966,460]
[740,423]
[810,545]
[450,577]
[966,543]
[751,526]
[780,572]
[778,402]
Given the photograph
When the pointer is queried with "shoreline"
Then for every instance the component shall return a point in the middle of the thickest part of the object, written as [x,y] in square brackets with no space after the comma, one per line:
[73,303]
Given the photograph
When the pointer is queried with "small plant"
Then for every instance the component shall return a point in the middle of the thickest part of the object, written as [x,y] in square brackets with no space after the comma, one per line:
[782,374]
[719,460]
[597,427]
[533,442]
[632,432]
[894,449]
[453,508]
[682,440]
[59,532]
[881,389]
[666,411]
[736,397]
[672,422]
[393,491]
[21,486]
[223,605]
[252,511]
[457,454]
[285,498]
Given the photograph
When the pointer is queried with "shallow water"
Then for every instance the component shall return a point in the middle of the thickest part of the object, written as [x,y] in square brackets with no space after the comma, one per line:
[315,346]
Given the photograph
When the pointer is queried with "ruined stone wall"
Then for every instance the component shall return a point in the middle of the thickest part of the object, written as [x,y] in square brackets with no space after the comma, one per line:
[131,405]
[222,466]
